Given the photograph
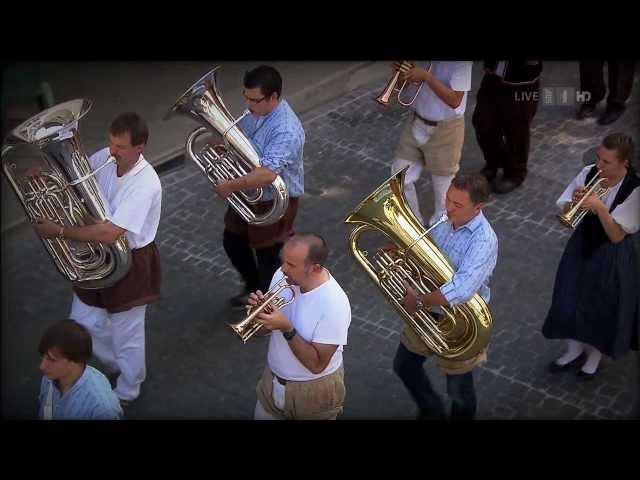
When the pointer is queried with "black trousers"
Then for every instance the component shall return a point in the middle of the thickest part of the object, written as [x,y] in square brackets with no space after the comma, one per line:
[620,80]
[256,271]
[502,123]
[409,367]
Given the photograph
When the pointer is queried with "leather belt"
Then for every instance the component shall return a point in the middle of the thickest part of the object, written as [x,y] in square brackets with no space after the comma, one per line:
[431,123]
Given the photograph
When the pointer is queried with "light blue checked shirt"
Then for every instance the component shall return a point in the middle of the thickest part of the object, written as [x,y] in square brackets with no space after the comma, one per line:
[90,398]
[279,140]
[473,251]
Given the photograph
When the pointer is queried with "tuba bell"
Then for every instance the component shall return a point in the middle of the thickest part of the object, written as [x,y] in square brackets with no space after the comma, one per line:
[233,159]
[248,327]
[463,330]
[66,193]
[575,214]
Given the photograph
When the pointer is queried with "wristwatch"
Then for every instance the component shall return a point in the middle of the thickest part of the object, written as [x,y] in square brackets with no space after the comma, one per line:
[419,304]
[288,336]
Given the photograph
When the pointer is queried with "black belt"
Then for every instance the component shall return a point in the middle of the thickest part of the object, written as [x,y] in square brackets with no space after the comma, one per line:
[431,123]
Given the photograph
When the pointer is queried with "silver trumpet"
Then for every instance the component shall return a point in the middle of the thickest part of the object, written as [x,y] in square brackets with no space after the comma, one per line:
[229,160]
[248,327]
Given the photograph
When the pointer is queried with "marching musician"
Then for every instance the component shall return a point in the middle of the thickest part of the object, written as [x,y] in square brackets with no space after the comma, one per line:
[597,288]
[278,136]
[304,377]
[469,241]
[115,315]
[433,136]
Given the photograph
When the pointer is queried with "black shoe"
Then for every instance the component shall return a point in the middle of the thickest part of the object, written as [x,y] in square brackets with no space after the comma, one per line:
[489,173]
[583,376]
[555,368]
[240,301]
[586,110]
[610,115]
[505,185]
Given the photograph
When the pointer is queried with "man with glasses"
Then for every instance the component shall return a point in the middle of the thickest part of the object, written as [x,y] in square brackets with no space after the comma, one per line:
[304,378]
[278,137]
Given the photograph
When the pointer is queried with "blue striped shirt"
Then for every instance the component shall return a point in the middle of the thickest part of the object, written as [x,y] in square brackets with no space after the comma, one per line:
[473,251]
[279,140]
[90,398]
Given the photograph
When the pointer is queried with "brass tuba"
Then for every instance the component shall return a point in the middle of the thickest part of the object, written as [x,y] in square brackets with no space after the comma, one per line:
[233,159]
[248,327]
[385,96]
[575,213]
[463,330]
[66,193]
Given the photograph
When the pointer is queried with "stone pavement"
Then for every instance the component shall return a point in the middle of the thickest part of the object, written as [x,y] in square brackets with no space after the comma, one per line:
[198,370]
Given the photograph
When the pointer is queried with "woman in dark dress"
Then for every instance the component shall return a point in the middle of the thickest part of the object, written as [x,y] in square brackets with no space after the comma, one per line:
[595,304]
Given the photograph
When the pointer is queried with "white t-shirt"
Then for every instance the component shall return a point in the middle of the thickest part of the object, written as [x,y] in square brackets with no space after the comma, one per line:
[134,200]
[322,315]
[626,214]
[457,76]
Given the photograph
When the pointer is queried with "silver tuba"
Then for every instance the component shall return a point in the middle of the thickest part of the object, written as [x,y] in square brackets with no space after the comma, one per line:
[233,159]
[65,193]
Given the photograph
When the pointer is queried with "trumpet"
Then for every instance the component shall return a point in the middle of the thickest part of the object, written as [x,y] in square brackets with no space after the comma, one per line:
[385,96]
[575,214]
[248,327]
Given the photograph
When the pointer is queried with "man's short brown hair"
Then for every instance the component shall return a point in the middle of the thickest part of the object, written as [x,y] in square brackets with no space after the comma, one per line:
[132,123]
[475,184]
[68,337]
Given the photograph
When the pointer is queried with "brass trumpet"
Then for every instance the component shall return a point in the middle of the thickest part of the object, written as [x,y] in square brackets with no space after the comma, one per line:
[248,327]
[385,96]
[575,214]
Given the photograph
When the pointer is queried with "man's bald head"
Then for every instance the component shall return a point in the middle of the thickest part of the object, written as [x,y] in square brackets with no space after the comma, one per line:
[317,248]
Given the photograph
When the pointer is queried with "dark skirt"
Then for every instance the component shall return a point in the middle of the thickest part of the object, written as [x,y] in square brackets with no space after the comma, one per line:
[267,235]
[596,296]
[140,286]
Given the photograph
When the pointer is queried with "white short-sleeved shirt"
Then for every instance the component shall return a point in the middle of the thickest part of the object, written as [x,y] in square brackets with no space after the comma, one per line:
[322,315]
[626,214]
[134,200]
[457,76]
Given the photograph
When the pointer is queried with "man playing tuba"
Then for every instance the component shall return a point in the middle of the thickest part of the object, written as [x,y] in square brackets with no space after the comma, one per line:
[472,246]
[115,315]
[278,136]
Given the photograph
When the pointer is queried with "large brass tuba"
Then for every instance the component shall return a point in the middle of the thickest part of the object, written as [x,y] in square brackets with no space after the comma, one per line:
[66,193]
[575,214]
[248,327]
[463,330]
[233,159]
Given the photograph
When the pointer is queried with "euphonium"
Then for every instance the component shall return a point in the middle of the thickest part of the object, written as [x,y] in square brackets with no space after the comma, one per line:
[66,193]
[463,330]
[392,85]
[248,327]
[233,159]
[576,213]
